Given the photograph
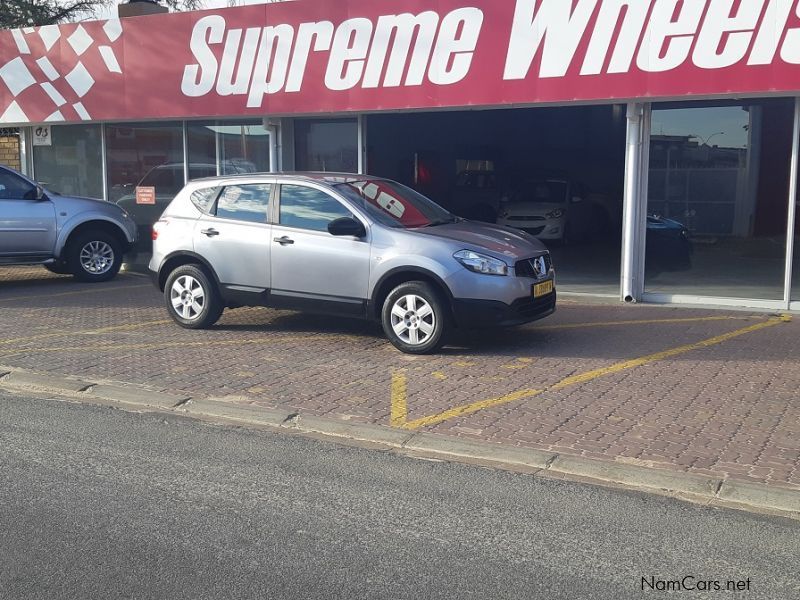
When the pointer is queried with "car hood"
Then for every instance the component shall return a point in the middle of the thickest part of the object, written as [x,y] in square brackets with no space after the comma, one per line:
[533,209]
[81,203]
[498,241]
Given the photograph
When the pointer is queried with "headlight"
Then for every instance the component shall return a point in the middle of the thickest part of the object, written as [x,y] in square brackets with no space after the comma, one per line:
[555,214]
[479,263]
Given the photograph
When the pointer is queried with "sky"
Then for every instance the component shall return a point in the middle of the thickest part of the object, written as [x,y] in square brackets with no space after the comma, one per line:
[111,10]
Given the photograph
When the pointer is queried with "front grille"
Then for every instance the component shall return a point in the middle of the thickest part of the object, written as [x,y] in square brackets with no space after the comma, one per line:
[523,218]
[528,307]
[527,268]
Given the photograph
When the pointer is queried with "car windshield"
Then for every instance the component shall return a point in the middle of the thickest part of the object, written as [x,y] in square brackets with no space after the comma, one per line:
[543,191]
[394,204]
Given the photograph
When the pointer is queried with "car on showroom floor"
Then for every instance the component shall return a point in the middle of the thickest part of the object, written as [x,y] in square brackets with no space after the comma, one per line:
[345,245]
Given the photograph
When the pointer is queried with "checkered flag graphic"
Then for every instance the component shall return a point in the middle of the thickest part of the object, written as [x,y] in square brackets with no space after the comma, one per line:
[50,72]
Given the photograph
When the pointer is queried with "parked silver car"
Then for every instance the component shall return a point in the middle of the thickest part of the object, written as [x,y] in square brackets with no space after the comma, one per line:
[82,236]
[344,244]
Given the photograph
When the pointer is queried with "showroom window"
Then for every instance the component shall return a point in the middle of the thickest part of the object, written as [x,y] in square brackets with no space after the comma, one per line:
[73,163]
[227,147]
[329,145]
[718,199]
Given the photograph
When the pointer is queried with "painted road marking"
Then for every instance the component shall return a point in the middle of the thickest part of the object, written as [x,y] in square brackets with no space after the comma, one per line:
[76,292]
[114,328]
[399,388]
[590,324]
[164,345]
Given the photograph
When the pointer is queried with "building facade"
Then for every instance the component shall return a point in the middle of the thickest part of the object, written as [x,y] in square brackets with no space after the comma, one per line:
[653,144]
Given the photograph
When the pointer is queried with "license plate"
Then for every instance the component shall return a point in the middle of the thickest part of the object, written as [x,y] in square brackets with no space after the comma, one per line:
[543,289]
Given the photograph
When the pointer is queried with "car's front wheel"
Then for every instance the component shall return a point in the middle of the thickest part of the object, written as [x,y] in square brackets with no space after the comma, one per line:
[414,318]
[94,256]
[192,298]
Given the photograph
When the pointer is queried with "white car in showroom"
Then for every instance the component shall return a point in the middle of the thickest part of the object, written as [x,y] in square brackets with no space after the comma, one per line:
[549,209]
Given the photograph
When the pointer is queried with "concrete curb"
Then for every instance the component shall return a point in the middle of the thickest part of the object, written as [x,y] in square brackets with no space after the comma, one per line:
[707,490]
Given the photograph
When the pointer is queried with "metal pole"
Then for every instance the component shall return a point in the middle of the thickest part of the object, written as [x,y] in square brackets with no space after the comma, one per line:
[787,289]
[25,167]
[185,153]
[217,146]
[104,159]
[632,168]
[362,144]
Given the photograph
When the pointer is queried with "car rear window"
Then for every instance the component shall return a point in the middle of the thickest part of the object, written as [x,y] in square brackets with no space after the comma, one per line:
[204,198]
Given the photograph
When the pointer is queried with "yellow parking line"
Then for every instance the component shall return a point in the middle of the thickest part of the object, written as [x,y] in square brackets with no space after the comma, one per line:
[75,293]
[641,322]
[466,409]
[399,396]
[130,326]
[164,345]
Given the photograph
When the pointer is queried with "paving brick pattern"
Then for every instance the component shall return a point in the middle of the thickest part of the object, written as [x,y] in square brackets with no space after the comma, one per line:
[732,409]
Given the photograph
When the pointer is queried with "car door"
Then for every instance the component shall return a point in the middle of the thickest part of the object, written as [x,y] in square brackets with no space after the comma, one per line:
[234,237]
[311,268]
[27,224]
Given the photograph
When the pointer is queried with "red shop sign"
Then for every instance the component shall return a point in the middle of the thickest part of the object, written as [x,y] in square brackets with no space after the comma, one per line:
[313,56]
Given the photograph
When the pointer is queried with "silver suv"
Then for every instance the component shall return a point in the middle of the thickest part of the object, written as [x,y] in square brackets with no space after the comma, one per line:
[349,245]
[82,236]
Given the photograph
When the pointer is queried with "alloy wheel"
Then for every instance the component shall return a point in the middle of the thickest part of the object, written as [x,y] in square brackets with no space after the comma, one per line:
[413,319]
[188,297]
[97,257]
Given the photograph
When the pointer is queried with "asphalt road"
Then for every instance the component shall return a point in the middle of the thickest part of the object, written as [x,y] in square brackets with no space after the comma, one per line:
[99,503]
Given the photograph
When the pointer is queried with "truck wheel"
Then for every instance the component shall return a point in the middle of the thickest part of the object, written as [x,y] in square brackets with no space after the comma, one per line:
[414,318]
[94,256]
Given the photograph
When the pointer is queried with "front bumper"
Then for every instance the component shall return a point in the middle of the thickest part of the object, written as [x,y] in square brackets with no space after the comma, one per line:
[479,314]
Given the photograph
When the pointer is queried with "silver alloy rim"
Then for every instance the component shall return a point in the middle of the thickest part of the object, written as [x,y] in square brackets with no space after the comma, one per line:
[413,319]
[97,257]
[187,297]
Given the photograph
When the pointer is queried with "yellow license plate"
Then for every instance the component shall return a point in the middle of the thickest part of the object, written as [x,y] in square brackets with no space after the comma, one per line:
[543,289]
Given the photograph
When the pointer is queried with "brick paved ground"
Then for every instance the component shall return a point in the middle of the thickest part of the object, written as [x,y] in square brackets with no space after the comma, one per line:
[730,408]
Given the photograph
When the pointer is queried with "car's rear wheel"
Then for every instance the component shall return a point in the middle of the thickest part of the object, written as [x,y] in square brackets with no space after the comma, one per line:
[414,318]
[192,298]
[94,256]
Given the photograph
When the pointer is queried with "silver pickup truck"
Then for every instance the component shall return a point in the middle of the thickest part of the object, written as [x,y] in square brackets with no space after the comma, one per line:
[82,236]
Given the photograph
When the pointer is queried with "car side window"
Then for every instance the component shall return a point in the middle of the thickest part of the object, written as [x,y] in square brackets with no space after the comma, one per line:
[308,208]
[246,202]
[13,187]
[204,198]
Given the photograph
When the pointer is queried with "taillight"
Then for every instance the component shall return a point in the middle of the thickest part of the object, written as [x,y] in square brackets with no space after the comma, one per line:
[156,227]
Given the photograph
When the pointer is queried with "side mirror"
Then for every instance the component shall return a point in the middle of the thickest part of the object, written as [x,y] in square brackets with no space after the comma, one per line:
[347,226]
[40,195]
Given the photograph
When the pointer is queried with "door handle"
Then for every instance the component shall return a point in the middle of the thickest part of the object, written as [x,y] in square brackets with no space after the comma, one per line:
[284,241]
[209,232]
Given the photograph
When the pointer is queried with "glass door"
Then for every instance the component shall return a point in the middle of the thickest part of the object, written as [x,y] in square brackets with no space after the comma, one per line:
[718,199]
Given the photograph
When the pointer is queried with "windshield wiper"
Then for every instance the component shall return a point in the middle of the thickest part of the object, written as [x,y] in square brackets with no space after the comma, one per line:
[442,222]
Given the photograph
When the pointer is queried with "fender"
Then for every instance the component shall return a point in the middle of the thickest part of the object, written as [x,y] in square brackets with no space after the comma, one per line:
[188,254]
[66,229]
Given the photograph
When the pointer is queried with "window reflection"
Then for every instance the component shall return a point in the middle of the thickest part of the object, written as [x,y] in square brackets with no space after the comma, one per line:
[244,202]
[73,165]
[718,199]
[330,146]
[307,208]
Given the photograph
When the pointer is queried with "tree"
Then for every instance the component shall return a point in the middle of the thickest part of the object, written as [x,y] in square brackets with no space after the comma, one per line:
[31,13]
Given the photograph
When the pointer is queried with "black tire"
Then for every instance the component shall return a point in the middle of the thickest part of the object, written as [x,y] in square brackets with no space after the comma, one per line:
[440,321]
[59,268]
[111,257]
[194,278]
